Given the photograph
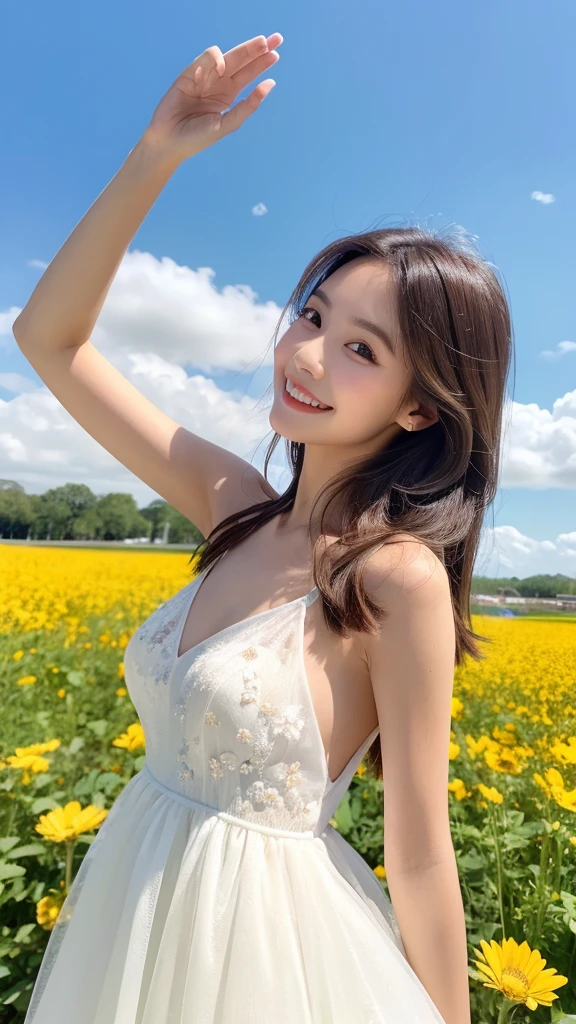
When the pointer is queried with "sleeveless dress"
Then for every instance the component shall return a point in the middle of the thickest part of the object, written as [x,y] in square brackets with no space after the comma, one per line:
[216,891]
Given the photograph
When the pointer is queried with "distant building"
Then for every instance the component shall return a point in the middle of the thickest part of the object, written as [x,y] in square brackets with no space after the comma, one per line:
[567,600]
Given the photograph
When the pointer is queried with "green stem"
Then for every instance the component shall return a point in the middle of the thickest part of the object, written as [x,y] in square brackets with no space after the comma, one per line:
[503,1016]
[463,878]
[70,844]
[559,840]
[542,879]
[499,871]
[572,955]
[11,816]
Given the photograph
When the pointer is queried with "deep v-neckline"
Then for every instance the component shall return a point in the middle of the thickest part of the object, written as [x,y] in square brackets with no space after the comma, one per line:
[196,587]
[304,599]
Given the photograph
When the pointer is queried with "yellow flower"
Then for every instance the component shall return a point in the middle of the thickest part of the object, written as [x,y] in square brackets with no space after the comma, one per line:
[17,655]
[32,650]
[360,771]
[121,670]
[61,692]
[55,671]
[453,751]
[38,748]
[457,707]
[505,736]
[48,909]
[565,752]
[380,871]
[132,738]
[26,680]
[518,973]
[121,691]
[491,793]
[503,760]
[458,788]
[70,821]
[476,746]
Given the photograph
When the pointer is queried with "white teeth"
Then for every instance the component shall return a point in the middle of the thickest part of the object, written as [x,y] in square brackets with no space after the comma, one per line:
[293,391]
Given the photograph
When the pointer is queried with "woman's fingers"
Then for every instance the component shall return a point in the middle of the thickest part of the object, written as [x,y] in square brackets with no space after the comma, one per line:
[255,68]
[242,55]
[238,114]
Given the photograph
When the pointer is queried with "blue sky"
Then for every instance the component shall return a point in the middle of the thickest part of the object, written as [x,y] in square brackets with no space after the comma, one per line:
[441,115]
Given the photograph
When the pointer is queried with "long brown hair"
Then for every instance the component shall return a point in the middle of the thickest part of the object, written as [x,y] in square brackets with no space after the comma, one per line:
[434,484]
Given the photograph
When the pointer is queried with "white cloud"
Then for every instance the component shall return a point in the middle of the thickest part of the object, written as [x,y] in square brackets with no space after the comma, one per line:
[562,349]
[155,305]
[539,446]
[543,197]
[504,551]
[259,210]
[16,383]
[42,445]
[7,318]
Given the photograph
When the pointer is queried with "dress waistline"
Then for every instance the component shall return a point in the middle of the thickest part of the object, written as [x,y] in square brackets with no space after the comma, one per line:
[189,801]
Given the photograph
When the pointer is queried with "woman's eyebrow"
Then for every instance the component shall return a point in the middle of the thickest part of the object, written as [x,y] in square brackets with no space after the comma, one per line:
[366,325]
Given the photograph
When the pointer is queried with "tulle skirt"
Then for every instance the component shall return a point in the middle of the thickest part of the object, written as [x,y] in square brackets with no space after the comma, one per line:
[179,916]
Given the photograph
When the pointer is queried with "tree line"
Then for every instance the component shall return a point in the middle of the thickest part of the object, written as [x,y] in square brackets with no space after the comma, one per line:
[542,585]
[74,512]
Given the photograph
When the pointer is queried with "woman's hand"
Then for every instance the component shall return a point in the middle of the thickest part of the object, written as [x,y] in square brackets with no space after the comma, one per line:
[189,116]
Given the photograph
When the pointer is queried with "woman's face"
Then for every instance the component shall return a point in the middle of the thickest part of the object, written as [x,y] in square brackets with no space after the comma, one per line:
[348,367]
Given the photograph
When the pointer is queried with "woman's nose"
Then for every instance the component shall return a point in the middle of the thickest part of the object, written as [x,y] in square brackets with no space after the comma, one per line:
[309,359]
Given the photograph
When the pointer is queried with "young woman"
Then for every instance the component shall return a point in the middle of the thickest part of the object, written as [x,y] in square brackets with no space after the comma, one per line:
[216,891]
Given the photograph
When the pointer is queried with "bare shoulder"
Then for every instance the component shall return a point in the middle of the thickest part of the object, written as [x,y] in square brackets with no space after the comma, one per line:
[405,571]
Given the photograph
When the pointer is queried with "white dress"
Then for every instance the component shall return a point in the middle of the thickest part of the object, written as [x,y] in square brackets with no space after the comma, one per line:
[216,891]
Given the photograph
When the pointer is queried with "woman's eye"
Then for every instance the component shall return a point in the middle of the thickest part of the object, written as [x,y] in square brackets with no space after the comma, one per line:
[307,309]
[367,347]
[310,309]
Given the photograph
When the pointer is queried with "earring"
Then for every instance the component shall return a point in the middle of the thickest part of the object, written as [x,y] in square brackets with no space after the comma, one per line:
[410,425]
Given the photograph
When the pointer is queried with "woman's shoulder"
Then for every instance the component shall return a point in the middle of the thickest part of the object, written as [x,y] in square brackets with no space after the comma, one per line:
[404,566]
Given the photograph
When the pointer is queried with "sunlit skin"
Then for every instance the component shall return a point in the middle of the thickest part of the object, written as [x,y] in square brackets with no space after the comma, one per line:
[350,369]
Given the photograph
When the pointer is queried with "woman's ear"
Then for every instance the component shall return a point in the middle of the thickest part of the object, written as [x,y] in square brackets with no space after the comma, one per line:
[421,415]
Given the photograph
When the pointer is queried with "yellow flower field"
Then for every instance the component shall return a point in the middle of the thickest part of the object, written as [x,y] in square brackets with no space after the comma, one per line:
[70,740]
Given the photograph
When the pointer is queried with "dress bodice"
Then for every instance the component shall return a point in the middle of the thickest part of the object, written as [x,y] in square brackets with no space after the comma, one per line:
[230,723]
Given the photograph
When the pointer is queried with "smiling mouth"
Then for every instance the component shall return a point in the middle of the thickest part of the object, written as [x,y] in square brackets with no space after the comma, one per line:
[305,401]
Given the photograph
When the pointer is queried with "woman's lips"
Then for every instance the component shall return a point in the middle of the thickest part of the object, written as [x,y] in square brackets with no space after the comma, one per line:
[293,403]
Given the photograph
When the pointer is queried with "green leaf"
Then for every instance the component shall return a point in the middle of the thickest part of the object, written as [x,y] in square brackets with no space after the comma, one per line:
[98,727]
[24,931]
[470,862]
[30,850]
[76,745]
[8,843]
[107,781]
[43,803]
[76,678]
[343,815]
[11,870]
